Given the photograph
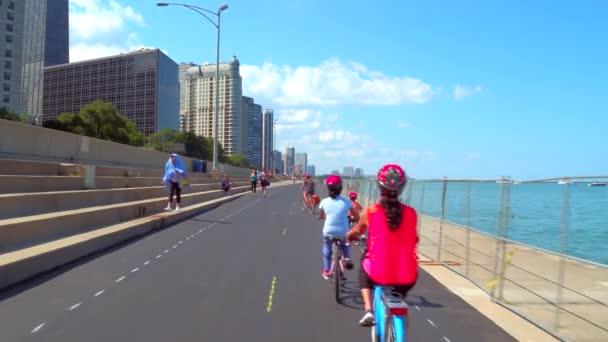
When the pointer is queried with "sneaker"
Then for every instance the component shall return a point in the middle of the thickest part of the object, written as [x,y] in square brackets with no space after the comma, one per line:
[177,208]
[367,320]
[168,209]
[326,274]
[348,264]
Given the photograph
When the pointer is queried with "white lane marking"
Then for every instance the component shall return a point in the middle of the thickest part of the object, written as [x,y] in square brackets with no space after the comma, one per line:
[74,306]
[174,246]
[135,270]
[120,279]
[158,256]
[166,251]
[431,322]
[188,238]
[417,308]
[446,339]
[200,231]
[99,293]
[146,263]
[37,329]
[180,242]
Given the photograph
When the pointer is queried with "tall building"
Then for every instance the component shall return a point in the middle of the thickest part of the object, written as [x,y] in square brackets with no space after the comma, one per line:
[143,85]
[278,166]
[358,173]
[251,119]
[312,170]
[302,160]
[200,103]
[45,43]
[182,72]
[349,171]
[57,35]
[12,18]
[335,172]
[267,128]
[290,154]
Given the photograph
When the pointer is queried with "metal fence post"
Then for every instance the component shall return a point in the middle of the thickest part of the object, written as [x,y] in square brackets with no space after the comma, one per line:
[443,191]
[467,215]
[421,211]
[498,229]
[409,191]
[505,227]
[563,235]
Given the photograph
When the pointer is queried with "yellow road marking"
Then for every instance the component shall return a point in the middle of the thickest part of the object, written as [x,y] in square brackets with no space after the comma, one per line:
[269,307]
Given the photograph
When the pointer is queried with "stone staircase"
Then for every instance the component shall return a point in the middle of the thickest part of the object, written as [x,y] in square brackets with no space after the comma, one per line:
[53,213]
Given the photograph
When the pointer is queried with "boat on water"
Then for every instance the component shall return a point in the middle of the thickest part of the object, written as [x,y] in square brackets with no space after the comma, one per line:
[596,184]
[564,182]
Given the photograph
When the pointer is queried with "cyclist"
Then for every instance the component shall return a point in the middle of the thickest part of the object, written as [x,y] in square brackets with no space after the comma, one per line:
[334,210]
[309,189]
[353,199]
[390,257]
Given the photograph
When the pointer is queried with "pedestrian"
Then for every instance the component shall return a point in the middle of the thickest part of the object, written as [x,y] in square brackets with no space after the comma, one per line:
[226,185]
[174,175]
[264,182]
[253,178]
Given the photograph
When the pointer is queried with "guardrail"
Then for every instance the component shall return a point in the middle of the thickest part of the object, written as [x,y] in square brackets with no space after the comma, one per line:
[564,295]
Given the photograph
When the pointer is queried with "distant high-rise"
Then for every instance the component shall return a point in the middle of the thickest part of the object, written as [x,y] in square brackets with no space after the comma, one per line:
[57,35]
[290,154]
[143,86]
[335,172]
[251,119]
[278,166]
[267,127]
[312,170]
[183,98]
[358,173]
[12,17]
[302,161]
[349,171]
[200,106]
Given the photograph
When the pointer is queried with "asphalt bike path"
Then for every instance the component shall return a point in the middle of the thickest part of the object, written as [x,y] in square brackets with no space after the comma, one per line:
[246,270]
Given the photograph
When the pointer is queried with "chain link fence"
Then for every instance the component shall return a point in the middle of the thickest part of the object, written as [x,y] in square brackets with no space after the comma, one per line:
[471,226]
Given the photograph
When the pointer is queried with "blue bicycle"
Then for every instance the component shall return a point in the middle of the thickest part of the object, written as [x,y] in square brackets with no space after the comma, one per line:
[390,311]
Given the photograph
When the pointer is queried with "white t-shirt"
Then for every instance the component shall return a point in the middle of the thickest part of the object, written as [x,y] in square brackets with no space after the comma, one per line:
[336,210]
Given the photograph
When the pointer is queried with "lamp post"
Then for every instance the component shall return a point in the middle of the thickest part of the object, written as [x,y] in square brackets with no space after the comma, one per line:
[217,66]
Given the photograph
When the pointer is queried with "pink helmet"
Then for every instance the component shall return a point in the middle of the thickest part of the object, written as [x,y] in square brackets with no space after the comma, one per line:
[352,195]
[307,176]
[391,178]
[333,180]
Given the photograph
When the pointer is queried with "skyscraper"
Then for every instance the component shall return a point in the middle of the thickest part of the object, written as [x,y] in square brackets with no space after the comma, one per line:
[302,160]
[183,98]
[143,86]
[278,168]
[12,17]
[290,153]
[312,170]
[45,43]
[349,171]
[200,112]
[267,127]
[57,35]
[252,131]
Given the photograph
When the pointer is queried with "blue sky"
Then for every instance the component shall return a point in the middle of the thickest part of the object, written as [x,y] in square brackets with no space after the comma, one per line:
[445,88]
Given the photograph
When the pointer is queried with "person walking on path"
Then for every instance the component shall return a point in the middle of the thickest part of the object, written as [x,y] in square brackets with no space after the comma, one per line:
[226,185]
[264,182]
[174,174]
[253,178]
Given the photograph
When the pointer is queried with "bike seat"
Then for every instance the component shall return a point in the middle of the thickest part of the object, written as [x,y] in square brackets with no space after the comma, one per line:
[392,298]
[334,238]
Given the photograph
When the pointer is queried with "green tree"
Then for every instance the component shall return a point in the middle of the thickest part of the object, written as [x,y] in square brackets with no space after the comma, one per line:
[238,160]
[100,120]
[9,115]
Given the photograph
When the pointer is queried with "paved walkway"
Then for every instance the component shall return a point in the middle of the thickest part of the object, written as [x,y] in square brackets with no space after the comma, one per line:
[247,270]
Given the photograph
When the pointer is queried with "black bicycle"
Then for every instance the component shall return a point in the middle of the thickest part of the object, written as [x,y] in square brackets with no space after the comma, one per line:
[338,264]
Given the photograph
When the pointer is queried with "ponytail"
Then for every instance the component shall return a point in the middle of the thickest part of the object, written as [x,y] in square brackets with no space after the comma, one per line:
[393,210]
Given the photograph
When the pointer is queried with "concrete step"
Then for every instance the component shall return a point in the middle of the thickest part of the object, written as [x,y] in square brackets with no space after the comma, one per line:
[22,232]
[25,204]
[19,265]
[10,184]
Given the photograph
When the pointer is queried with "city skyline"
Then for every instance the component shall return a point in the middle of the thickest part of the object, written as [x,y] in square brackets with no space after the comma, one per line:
[494,107]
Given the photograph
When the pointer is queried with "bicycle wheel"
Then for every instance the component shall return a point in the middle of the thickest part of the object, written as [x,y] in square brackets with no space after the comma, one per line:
[337,270]
[375,337]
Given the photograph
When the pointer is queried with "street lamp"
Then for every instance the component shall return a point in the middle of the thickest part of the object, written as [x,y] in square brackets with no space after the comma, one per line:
[217,65]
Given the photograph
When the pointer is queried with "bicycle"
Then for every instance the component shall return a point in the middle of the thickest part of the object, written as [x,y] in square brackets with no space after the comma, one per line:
[390,313]
[337,265]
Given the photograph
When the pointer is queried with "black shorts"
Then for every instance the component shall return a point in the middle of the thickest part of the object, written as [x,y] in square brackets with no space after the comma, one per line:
[366,282]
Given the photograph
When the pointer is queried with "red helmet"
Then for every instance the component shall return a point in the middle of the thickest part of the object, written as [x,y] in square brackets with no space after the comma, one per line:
[391,178]
[333,180]
[307,176]
[352,195]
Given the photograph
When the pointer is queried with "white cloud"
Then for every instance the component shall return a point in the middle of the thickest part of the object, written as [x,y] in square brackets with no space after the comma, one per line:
[100,28]
[461,92]
[404,124]
[332,82]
